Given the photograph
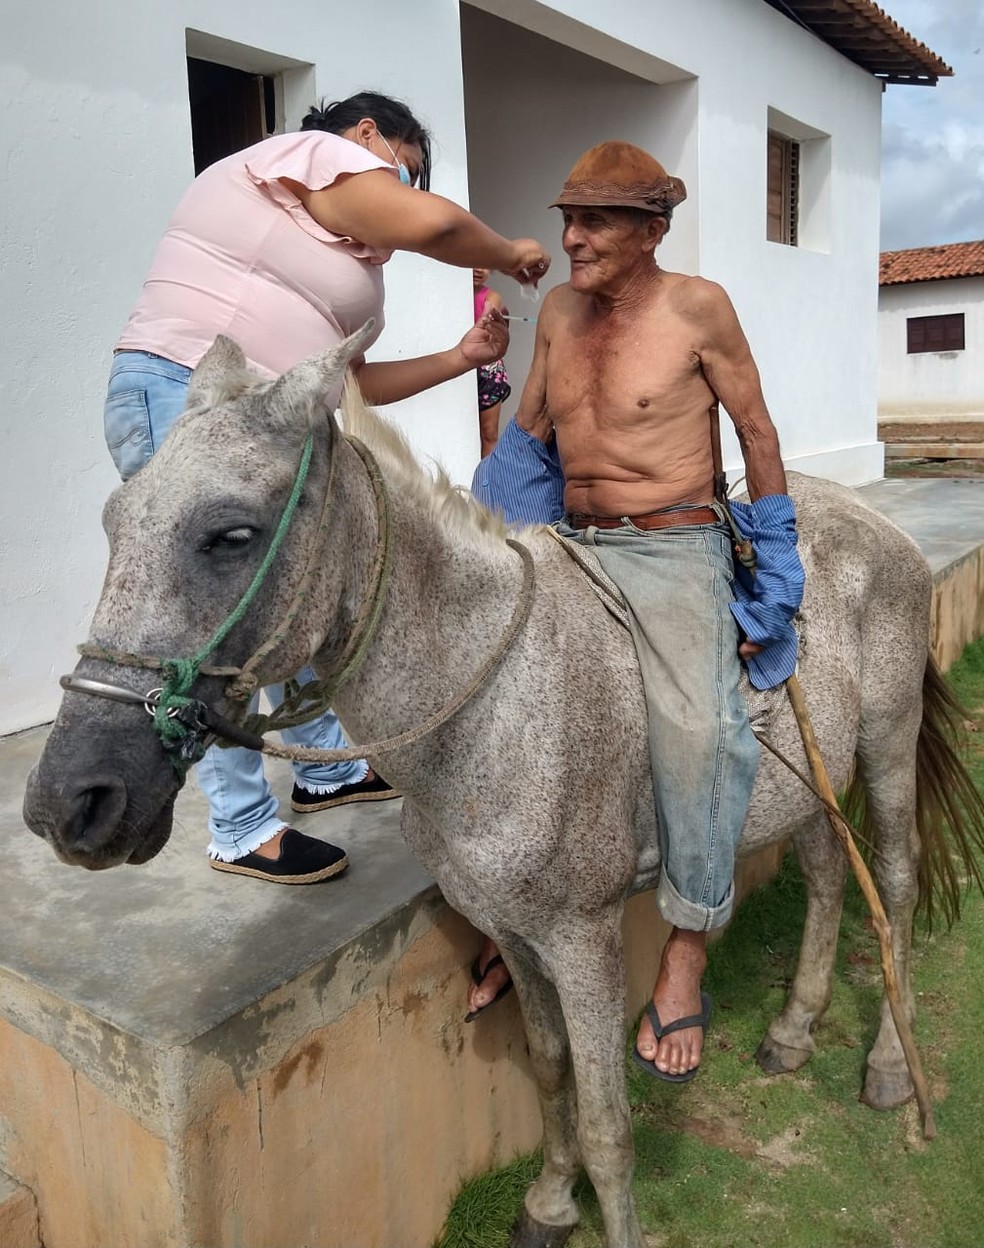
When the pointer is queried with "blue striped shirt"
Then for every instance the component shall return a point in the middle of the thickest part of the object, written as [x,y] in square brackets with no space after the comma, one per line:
[523,480]
[765,603]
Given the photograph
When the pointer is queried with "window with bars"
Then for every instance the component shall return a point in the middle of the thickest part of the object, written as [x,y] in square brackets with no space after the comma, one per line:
[782,220]
[935,333]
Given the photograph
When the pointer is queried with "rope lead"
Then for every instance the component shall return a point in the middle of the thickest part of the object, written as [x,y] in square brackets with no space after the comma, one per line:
[181,674]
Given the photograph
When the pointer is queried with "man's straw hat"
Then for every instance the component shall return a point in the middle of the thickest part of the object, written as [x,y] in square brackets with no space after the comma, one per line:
[620,175]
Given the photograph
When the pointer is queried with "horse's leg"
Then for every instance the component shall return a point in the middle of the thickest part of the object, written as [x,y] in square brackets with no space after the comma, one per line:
[788,1042]
[891,792]
[590,976]
[550,1211]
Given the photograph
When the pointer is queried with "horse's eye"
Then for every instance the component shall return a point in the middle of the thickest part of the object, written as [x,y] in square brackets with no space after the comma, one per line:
[231,539]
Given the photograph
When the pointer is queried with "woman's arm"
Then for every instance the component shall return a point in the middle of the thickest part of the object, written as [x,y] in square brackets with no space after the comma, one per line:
[391,380]
[376,209]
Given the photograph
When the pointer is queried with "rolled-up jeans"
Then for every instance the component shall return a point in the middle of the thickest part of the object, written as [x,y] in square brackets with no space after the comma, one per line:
[146,396]
[677,585]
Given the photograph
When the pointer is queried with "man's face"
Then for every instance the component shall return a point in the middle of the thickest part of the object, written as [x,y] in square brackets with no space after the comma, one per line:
[606,247]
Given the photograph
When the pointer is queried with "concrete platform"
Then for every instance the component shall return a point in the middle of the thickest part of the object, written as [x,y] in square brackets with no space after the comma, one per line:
[945,516]
[197,1060]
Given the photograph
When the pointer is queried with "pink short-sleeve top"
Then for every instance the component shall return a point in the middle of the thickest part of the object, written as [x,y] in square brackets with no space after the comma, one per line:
[241,256]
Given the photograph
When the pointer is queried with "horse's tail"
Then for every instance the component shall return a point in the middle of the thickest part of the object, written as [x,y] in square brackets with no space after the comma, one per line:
[949,809]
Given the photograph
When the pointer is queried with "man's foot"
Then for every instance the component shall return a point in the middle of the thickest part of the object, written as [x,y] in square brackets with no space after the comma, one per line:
[491,980]
[371,788]
[671,1035]
[289,858]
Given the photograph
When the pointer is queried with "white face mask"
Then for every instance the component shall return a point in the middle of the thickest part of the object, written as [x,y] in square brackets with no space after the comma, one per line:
[405,177]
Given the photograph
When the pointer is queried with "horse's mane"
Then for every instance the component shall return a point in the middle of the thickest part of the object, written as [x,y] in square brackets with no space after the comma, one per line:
[452,506]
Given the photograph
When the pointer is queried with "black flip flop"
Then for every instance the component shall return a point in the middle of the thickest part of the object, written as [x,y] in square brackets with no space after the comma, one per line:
[479,976]
[700,1020]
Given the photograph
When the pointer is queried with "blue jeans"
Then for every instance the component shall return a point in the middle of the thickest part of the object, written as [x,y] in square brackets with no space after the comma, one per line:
[146,396]
[677,585]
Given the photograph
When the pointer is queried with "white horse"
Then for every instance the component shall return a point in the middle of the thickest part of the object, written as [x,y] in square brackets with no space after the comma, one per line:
[532,803]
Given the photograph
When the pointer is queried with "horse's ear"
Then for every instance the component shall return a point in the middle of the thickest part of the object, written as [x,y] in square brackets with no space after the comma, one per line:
[302,394]
[223,359]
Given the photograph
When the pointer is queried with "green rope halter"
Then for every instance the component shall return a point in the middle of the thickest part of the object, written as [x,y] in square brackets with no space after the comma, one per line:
[181,674]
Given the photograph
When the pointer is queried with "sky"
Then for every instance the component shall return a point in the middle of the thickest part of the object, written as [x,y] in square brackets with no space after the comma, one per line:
[933,137]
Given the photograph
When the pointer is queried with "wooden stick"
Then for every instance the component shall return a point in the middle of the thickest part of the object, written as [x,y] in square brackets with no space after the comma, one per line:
[842,830]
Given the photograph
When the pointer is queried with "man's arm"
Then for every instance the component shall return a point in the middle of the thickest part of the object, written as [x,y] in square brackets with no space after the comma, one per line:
[765,612]
[731,373]
[532,415]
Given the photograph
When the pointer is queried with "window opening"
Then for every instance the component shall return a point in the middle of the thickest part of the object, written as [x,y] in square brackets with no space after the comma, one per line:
[935,333]
[230,109]
[782,224]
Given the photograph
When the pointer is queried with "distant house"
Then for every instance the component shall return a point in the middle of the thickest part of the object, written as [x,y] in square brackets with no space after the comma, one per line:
[931,333]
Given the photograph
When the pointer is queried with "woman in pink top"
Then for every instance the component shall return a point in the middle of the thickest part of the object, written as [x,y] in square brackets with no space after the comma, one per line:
[281,247]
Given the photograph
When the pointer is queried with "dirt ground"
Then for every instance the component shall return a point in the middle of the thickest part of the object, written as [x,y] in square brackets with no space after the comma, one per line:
[935,431]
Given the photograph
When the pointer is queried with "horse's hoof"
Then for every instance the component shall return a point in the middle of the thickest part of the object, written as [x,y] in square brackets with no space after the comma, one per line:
[529,1233]
[779,1059]
[886,1089]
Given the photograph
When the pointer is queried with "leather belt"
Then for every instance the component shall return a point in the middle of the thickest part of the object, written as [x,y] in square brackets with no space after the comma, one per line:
[651,520]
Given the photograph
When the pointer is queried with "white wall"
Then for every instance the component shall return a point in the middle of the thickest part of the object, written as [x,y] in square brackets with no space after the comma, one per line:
[694,84]
[532,107]
[96,139]
[931,383]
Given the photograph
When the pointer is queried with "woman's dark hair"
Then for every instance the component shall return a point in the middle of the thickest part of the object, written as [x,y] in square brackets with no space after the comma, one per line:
[393,118]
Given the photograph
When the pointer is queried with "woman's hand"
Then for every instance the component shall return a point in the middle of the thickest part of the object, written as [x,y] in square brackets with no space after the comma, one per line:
[487,340]
[530,261]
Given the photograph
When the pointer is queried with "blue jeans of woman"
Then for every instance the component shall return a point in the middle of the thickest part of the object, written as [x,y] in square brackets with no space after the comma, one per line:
[146,395]
[677,585]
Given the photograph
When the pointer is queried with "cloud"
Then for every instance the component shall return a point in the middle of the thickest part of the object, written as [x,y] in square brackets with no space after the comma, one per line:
[933,137]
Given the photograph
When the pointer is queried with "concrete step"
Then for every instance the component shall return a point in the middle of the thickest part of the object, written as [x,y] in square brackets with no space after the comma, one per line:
[19,1227]
[919,448]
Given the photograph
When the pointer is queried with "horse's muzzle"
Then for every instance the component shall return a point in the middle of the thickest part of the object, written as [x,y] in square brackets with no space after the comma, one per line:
[86,822]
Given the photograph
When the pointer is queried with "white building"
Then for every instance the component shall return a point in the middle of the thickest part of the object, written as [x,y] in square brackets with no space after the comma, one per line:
[770,110]
[931,333]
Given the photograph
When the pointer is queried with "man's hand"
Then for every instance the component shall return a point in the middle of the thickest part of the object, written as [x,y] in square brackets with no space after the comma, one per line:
[487,340]
[748,649]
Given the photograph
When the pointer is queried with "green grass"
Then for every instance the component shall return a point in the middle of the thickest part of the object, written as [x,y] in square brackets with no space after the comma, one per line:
[737,1158]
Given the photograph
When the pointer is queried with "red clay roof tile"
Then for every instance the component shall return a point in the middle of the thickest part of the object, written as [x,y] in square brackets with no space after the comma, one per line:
[930,264]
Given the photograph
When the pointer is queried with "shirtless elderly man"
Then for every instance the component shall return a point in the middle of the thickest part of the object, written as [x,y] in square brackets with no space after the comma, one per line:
[629,366]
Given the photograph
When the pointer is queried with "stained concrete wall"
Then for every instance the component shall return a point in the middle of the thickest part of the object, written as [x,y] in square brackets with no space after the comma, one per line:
[358,1131]
[275,1130]
[18,1216]
[958,608]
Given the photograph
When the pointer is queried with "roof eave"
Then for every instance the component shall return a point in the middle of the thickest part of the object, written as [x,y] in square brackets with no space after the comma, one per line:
[864,34]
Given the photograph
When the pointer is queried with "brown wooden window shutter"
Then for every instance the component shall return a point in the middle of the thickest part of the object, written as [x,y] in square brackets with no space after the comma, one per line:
[935,333]
[782,211]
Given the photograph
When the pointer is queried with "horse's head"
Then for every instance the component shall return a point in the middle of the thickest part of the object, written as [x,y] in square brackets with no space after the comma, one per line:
[187,536]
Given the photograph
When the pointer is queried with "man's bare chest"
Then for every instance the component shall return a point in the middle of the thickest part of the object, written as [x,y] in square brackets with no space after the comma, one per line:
[643,371]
